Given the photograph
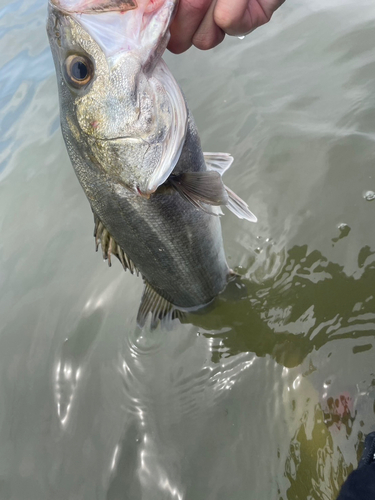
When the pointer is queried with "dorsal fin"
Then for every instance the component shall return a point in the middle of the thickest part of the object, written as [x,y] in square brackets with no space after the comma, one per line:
[161,310]
[111,247]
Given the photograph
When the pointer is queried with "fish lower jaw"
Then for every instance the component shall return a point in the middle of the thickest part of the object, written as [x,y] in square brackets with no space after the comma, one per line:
[134,188]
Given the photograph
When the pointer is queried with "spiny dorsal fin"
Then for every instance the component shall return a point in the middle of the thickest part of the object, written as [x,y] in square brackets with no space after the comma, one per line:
[218,162]
[161,309]
[111,247]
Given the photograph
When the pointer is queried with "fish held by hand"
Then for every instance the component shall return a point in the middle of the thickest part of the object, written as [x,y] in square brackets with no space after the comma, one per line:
[136,152]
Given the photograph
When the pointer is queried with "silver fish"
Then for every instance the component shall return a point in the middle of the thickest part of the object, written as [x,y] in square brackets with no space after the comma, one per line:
[136,152]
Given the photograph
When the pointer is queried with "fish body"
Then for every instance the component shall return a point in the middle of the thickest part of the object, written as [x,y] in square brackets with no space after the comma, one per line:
[136,152]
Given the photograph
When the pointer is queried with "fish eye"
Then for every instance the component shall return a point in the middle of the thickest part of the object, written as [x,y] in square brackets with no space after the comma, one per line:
[79,71]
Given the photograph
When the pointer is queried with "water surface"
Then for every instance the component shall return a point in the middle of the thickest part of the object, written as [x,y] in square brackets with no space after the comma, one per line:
[268,395]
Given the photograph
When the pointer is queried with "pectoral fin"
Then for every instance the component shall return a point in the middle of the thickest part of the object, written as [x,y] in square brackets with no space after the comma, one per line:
[239,207]
[161,310]
[200,189]
[207,188]
[220,162]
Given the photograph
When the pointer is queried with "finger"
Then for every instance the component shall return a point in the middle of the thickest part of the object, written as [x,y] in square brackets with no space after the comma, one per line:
[208,34]
[234,17]
[189,16]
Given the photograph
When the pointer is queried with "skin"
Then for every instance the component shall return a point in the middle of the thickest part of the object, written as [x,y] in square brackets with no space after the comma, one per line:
[204,23]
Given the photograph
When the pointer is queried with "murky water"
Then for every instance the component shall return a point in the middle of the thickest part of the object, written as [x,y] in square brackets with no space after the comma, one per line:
[268,394]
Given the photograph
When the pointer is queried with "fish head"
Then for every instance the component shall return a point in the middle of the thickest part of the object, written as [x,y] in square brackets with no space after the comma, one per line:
[120,105]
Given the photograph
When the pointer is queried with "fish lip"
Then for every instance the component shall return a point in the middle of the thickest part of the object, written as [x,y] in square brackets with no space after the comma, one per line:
[56,7]
[120,138]
[58,10]
[113,6]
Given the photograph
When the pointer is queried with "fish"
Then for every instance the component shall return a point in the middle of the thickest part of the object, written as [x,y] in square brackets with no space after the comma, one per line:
[136,152]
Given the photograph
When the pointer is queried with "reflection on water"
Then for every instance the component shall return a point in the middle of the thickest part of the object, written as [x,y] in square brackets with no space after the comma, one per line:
[71,361]
[297,312]
[314,466]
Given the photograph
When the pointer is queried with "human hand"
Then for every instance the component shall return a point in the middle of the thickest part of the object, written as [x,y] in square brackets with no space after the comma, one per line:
[204,23]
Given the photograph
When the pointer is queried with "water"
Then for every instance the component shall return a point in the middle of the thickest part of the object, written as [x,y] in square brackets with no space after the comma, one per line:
[269,394]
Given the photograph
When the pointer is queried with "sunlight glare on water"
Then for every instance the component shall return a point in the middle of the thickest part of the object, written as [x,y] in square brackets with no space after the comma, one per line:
[268,393]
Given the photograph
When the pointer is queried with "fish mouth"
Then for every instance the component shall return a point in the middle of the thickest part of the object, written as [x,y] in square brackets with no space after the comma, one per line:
[120,26]
[127,138]
[100,6]
[93,6]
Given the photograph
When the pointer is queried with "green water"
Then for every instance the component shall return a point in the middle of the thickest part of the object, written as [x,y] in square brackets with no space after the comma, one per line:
[268,395]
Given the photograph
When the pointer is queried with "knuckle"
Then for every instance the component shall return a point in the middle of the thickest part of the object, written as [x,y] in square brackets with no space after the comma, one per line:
[204,41]
[196,6]
[228,23]
[178,47]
